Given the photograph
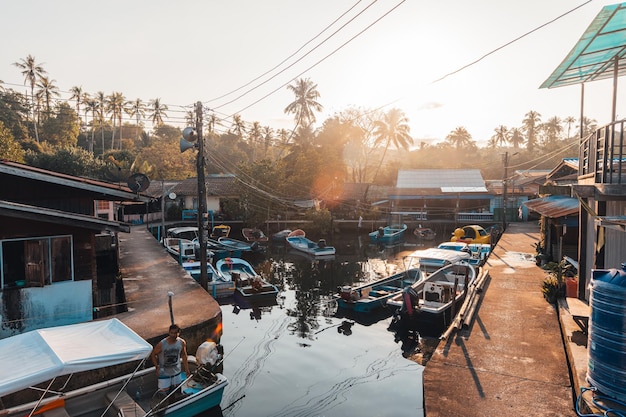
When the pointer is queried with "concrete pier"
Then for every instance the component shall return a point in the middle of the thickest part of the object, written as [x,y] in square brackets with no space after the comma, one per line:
[149,273]
[512,360]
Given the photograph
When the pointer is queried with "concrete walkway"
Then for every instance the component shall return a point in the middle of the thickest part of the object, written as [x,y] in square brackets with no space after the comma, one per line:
[149,273]
[511,361]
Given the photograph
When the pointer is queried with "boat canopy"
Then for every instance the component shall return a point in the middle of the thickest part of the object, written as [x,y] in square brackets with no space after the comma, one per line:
[40,355]
[448,255]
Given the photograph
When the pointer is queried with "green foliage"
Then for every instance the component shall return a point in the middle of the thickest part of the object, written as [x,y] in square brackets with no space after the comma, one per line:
[61,128]
[321,222]
[14,113]
[9,148]
[71,161]
[552,288]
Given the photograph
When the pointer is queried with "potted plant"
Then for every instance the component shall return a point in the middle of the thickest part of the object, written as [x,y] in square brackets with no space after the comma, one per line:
[553,285]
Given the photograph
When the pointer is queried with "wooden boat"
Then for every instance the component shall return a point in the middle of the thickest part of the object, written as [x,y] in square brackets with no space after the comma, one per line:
[432,303]
[374,295]
[472,233]
[221,230]
[43,355]
[388,234]
[248,283]
[219,286]
[305,245]
[254,235]
[424,233]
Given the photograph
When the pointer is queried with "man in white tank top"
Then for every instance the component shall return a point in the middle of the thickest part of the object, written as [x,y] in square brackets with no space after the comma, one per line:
[166,357]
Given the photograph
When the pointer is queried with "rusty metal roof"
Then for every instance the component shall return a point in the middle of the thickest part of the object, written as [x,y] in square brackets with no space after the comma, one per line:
[554,206]
[593,57]
[221,185]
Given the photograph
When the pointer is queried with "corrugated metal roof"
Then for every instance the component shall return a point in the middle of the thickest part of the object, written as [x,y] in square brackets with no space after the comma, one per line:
[593,56]
[216,184]
[554,206]
[452,180]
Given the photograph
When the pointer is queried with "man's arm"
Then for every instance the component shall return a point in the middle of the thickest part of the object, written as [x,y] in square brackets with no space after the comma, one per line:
[183,356]
[155,356]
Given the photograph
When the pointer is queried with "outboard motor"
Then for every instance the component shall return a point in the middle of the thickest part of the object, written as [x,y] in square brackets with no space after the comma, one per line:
[321,243]
[381,232]
[410,300]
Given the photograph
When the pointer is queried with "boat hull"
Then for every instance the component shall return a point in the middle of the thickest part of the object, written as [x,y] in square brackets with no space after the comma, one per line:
[388,234]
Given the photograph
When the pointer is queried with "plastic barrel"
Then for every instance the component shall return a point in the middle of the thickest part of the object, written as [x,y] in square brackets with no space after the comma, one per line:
[607,332]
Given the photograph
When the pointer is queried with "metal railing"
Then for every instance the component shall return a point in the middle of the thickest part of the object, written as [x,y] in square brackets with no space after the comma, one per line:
[602,156]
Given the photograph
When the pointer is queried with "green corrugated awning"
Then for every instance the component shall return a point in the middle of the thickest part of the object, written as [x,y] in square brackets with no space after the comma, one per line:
[593,56]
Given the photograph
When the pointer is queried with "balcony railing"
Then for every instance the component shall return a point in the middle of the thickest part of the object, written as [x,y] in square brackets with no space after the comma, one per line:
[474,217]
[601,156]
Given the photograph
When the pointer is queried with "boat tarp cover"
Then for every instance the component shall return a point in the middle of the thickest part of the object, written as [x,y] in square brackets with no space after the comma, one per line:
[451,256]
[40,355]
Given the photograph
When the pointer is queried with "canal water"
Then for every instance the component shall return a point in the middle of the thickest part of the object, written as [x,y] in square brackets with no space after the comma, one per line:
[301,356]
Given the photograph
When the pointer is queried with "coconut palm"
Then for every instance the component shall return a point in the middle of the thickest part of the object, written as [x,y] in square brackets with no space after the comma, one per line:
[516,137]
[501,135]
[553,129]
[305,104]
[31,72]
[530,125]
[92,106]
[77,95]
[45,91]
[101,98]
[137,109]
[460,138]
[392,129]
[238,126]
[211,122]
[157,111]
[268,139]
[569,121]
[116,104]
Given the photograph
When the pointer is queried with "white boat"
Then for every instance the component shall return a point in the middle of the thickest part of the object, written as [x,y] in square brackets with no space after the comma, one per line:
[48,354]
[179,242]
[432,303]
[479,251]
[306,245]
[432,259]
[218,285]
[248,283]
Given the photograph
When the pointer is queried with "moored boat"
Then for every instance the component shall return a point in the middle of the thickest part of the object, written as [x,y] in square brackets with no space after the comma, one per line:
[179,242]
[432,303]
[472,233]
[388,234]
[432,259]
[254,235]
[424,233]
[219,286]
[307,246]
[374,295]
[221,230]
[42,355]
[248,283]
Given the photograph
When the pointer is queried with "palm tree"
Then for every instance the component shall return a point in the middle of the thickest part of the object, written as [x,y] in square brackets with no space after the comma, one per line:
[501,135]
[92,105]
[137,109]
[569,120]
[530,124]
[305,103]
[77,94]
[459,138]
[84,99]
[516,137]
[157,111]
[589,125]
[553,129]
[211,122]
[394,130]
[31,72]
[268,138]
[101,98]
[115,104]
[238,126]
[47,90]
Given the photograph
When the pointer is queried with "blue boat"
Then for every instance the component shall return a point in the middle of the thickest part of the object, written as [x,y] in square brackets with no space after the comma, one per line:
[218,285]
[309,247]
[388,234]
[374,295]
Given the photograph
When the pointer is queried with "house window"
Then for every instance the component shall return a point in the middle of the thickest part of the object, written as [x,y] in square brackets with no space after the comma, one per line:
[36,262]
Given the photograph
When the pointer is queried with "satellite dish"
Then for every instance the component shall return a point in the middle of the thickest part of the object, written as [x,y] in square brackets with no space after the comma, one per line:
[138,182]
[172,196]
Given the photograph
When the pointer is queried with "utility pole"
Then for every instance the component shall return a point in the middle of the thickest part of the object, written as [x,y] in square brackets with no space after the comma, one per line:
[202,229]
[505,181]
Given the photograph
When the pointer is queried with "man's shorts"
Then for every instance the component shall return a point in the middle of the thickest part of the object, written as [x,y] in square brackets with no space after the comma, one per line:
[165,382]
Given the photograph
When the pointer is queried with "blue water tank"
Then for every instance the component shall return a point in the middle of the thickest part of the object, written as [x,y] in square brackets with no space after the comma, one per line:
[607,332]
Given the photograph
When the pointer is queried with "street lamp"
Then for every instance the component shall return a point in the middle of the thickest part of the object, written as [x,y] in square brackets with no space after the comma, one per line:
[193,138]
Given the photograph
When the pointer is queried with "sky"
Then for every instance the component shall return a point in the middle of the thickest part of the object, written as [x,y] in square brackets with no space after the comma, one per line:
[238,56]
